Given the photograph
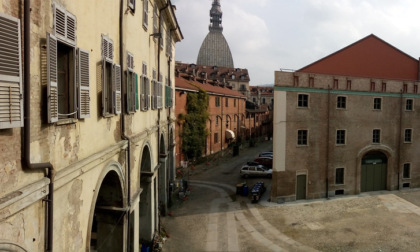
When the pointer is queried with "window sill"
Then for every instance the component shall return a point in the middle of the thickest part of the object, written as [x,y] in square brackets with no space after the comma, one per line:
[108,115]
[66,121]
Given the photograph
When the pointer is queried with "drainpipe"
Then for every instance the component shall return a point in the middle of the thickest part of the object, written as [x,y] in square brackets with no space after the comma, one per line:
[27,128]
[328,144]
[399,140]
[122,119]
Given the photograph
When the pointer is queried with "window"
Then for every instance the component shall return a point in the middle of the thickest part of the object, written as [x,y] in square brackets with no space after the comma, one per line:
[311,81]
[144,89]
[216,137]
[155,18]
[10,73]
[254,100]
[372,86]
[405,88]
[341,137]
[168,43]
[67,68]
[145,13]
[383,87]
[302,137]
[263,101]
[217,101]
[132,5]
[407,135]
[162,34]
[234,102]
[335,84]
[339,176]
[296,81]
[156,91]
[132,86]
[243,88]
[226,102]
[168,94]
[406,170]
[111,79]
[376,136]
[348,85]
[303,100]
[415,88]
[217,120]
[233,76]
[409,104]
[341,102]
[377,103]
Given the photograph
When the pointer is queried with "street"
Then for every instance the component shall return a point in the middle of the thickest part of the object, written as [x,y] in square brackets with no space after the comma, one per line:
[214,218]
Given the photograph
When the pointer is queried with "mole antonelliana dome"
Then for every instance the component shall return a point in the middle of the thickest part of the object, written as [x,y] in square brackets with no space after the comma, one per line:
[215,50]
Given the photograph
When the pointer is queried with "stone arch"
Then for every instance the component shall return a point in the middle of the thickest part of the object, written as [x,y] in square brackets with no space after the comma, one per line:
[11,246]
[148,196]
[106,220]
[373,150]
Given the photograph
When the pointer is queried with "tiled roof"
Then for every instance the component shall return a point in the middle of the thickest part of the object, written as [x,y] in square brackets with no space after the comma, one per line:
[183,81]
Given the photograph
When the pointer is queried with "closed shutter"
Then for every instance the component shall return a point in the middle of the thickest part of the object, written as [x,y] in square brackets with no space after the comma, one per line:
[137,90]
[142,93]
[11,102]
[104,88]
[107,48]
[159,98]
[64,25]
[83,83]
[117,89]
[52,88]
[147,93]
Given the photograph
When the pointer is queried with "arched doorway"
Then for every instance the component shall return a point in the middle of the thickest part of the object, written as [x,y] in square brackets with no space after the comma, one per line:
[107,232]
[163,177]
[374,171]
[147,198]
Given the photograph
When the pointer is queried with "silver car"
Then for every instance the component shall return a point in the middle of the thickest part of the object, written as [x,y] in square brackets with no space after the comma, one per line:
[255,171]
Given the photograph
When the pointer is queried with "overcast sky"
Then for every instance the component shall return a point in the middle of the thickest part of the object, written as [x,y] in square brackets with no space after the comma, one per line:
[266,35]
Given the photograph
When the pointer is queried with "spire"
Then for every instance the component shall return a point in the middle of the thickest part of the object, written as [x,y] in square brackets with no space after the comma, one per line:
[216,17]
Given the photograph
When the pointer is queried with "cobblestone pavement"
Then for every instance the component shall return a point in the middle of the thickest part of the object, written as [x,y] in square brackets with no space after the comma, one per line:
[214,218]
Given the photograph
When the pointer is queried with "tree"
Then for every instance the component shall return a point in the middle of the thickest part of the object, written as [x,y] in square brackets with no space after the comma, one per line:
[194,131]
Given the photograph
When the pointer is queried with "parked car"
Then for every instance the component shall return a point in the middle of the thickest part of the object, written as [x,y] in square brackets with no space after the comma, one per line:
[266,161]
[266,154]
[255,171]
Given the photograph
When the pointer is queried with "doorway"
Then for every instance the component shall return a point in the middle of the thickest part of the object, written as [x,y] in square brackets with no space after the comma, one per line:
[301,187]
[374,172]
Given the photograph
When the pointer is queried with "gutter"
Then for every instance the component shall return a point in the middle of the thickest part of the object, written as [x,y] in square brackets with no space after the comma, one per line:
[27,165]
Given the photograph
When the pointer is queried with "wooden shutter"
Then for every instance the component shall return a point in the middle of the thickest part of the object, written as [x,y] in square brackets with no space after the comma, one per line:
[145,13]
[147,93]
[142,93]
[104,88]
[52,88]
[137,90]
[132,5]
[83,81]
[11,102]
[107,48]
[64,25]
[117,89]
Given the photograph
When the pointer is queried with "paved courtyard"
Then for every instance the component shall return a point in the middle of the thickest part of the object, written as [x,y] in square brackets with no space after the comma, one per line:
[214,218]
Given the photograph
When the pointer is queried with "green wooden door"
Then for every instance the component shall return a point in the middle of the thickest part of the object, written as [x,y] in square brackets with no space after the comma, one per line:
[301,187]
[373,177]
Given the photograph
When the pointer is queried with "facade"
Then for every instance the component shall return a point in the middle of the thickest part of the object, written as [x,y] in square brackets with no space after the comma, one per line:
[227,115]
[346,124]
[87,130]
[261,96]
[214,50]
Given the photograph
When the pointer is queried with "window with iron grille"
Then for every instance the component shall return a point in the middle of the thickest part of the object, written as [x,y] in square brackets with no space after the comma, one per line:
[377,103]
[341,137]
[303,100]
[407,135]
[341,102]
[339,176]
[376,136]
[302,138]
[407,170]
[409,105]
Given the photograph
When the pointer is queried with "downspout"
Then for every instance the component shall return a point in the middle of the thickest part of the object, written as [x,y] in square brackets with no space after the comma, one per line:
[328,144]
[27,127]
[399,141]
[122,121]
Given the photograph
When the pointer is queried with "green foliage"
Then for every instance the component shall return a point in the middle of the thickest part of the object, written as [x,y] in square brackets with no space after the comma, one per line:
[194,131]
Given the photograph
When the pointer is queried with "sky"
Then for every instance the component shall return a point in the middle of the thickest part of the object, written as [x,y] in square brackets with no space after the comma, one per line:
[268,35]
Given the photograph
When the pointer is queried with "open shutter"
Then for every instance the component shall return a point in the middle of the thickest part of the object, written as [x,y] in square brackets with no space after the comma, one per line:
[128,88]
[104,87]
[11,102]
[64,25]
[132,5]
[83,81]
[159,98]
[142,93]
[52,88]
[117,89]
[147,93]
[137,90]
